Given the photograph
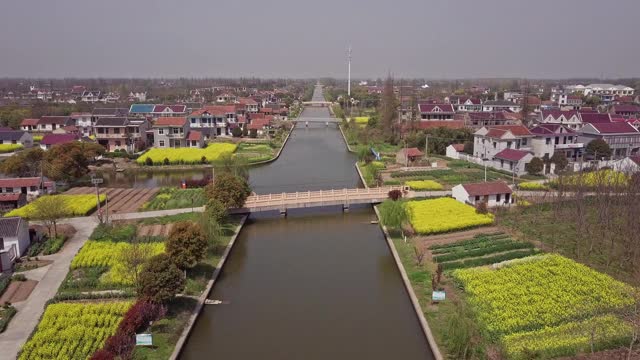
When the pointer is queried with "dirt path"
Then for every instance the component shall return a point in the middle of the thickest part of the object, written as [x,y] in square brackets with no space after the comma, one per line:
[427,241]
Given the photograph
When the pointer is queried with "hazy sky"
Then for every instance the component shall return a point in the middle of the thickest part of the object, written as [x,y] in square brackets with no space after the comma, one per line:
[299,38]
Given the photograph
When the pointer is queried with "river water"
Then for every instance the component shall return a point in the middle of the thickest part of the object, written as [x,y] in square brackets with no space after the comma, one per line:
[319,284]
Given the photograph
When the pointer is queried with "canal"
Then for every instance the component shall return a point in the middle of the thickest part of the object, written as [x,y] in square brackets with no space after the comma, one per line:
[319,284]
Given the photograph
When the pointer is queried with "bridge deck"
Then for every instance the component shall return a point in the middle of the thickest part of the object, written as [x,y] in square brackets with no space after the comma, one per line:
[345,197]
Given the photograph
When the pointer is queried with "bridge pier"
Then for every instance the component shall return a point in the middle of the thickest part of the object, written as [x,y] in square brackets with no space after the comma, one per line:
[345,208]
[283,212]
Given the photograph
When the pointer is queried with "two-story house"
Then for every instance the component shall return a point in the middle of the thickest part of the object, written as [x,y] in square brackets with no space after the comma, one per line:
[169,111]
[121,133]
[489,141]
[626,111]
[465,103]
[219,118]
[82,121]
[500,105]
[440,112]
[250,105]
[571,119]
[622,137]
[91,96]
[477,120]
[569,102]
[107,112]
[552,138]
[170,132]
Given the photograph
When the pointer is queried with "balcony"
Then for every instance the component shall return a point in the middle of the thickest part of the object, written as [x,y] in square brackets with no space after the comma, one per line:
[111,136]
[569,146]
[175,136]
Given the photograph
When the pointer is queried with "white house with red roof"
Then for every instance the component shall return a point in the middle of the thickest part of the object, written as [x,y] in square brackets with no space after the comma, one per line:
[488,141]
[438,112]
[512,160]
[169,110]
[493,193]
[569,102]
[220,118]
[622,137]
[30,186]
[454,150]
[170,132]
[551,138]
[569,118]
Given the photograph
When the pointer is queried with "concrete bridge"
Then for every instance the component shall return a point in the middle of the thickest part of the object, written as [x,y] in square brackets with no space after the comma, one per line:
[317,120]
[306,199]
[317,103]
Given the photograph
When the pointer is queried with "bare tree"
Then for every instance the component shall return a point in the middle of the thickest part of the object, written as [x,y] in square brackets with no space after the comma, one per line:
[50,209]
[133,258]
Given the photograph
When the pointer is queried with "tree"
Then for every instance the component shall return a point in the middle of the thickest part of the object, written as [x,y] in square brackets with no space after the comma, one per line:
[231,164]
[388,110]
[229,189]
[598,148]
[186,244]
[393,214]
[216,210]
[134,258]
[27,163]
[468,147]
[236,132]
[210,227]
[70,160]
[160,279]
[49,209]
[592,101]
[560,159]
[535,166]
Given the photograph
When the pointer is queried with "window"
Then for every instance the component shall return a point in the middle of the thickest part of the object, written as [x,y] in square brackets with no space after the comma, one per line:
[33,188]
[509,144]
[494,144]
[501,163]
[498,197]
[176,130]
[9,189]
[100,130]
[477,198]
[524,142]
[161,143]
[161,132]
[193,120]
[116,130]
[548,141]
[118,144]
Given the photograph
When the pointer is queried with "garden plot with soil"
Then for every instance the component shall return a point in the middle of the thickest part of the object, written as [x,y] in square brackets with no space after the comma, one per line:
[120,200]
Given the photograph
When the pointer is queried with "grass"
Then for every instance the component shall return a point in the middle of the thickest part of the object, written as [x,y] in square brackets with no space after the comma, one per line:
[167,331]
[451,177]
[370,170]
[163,220]
[6,313]
[256,152]
[173,198]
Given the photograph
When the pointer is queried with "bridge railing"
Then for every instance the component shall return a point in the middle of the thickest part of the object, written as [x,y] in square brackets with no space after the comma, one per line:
[319,196]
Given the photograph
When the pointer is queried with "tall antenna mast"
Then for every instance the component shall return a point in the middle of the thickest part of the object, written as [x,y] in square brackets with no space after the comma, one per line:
[349,76]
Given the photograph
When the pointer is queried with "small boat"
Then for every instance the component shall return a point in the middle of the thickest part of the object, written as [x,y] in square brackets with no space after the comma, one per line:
[374,221]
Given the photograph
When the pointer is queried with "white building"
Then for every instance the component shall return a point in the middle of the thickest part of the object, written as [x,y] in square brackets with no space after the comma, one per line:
[494,193]
[570,119]
[552,138]
[488,141]
[453,151]
[14,240]
[511,160]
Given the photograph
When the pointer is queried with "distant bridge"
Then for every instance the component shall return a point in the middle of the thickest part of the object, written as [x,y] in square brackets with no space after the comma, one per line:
[306,199]
[318,120]
[317,103]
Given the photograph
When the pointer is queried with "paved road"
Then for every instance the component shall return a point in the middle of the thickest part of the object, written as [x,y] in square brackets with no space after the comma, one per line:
[51,276]
[30,311]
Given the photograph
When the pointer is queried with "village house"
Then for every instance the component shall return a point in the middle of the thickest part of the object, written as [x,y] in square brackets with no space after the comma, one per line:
[571,118]
[51,123]
[491,118]
[169,111]
[122,133]
[137,96]
[12,201]
[250,105]
[82,121]
[141,110]
[595,118]
[494,193]
[30,186]
[174,132]
[51,140]
[16,137]
[430,112]
[465,104]
[217,117]
[489,141]
[98,113]
[260,125]
[512,160]
[14,240]
[408,156]
[226,98]
[569,102]
[29,124]
[90,96]
[622,137]
[454,150]
[500,105]
[551,138]
[626,111]
[607,92]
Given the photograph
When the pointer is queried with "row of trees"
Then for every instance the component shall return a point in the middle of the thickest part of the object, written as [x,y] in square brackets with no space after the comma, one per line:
[161,277]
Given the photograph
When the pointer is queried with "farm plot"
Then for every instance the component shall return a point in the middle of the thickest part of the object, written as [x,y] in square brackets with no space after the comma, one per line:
[482,249]
[444,215]
[547,305]
[74,330]
[120,200]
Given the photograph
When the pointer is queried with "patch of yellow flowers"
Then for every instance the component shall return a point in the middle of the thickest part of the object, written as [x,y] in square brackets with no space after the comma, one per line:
[74,330]
[541,304]
[75,205]
[187,155]
[444,215]
[424,185]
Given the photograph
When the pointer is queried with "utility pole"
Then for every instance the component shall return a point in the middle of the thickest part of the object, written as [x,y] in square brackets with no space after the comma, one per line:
[426,147]
[349,74]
